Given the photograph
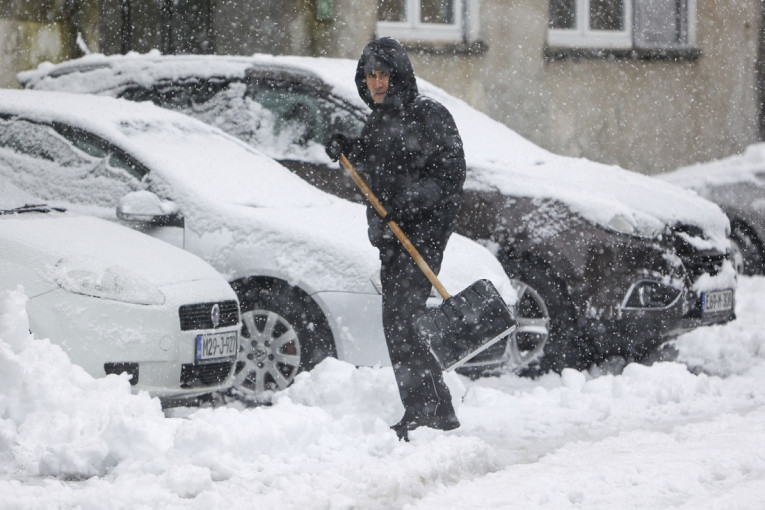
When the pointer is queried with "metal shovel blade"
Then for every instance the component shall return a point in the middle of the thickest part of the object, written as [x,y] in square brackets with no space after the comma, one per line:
[466,324]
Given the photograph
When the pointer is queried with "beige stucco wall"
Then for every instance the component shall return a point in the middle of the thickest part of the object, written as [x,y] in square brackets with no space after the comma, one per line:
[35,32]
[648,116]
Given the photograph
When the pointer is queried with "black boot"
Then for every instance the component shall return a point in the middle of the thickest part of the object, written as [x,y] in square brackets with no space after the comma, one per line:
[404,425]
[442,418]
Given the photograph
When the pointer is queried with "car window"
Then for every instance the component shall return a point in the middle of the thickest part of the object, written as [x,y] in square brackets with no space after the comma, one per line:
[56,163]
[304,115]
[224,105]
[283,120]
[25,139]
[178,95]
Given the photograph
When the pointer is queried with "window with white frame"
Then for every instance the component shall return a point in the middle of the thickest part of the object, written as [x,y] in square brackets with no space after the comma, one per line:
[622,24]
[449,21]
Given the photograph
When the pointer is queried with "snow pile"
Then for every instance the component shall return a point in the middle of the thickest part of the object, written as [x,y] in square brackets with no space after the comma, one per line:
[703,350]
[55,419]
[650,437]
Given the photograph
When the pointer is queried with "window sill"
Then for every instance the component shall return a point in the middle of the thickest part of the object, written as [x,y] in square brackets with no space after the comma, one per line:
[476,48]
[552,53]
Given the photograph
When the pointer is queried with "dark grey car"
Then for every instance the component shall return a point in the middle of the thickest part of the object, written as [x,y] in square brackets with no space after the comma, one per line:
[607,261]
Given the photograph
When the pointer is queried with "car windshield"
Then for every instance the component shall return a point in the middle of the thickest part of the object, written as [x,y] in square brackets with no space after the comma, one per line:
[43,208]
[193,157]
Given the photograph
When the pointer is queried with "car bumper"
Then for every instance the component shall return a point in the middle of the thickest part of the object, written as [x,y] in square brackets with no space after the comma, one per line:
[637,333]
[146,341]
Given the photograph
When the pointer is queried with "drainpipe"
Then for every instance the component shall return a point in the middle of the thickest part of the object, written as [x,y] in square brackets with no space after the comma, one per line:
[126,27]
[760,70]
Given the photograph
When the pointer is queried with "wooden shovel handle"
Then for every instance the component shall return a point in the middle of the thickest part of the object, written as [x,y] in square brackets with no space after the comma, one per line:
[395,228]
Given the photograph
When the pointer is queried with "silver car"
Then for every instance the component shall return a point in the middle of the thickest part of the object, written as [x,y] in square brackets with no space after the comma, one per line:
[298,258]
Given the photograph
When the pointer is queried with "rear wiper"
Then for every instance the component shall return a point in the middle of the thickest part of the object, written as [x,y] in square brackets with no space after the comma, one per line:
[42,208]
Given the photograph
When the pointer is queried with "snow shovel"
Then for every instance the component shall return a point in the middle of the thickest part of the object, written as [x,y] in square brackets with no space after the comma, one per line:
[464,324]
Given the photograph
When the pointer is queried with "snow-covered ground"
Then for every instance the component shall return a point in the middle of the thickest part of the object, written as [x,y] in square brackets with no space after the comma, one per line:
[651,437]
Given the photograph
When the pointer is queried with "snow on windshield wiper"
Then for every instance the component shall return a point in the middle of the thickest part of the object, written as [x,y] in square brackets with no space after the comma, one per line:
[43,208]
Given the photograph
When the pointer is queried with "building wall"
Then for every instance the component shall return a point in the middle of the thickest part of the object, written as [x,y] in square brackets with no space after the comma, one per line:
[644,115]
[648,116]
[45,30]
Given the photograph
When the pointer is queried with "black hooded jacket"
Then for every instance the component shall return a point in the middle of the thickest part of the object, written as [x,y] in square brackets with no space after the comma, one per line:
[410,152]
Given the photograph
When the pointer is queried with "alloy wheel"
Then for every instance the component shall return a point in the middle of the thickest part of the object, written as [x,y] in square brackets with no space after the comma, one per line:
[529,340]
[269,356]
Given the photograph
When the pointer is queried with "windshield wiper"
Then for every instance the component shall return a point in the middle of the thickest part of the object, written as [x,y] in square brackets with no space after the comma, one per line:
[42,208]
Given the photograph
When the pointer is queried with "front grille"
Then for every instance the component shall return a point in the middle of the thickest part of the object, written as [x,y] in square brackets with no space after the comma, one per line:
[210,374]
[696,262]
[703,263]
[199,316]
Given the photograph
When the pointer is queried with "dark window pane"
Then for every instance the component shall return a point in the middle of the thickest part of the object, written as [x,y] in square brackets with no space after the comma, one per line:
[391,10]
[437,11]
[562,14]
[607,15]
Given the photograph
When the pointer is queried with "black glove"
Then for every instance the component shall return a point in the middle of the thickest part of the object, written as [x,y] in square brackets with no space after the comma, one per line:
[395,210]
[338,144]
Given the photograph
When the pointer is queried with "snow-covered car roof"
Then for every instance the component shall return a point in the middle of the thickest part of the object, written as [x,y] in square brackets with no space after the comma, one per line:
[312,237]
[498,158]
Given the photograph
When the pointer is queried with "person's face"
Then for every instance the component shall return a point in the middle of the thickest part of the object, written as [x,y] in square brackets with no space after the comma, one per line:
[377,83]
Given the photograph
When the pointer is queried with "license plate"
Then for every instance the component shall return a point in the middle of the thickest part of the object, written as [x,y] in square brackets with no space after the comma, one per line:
[716,301]
[217,346]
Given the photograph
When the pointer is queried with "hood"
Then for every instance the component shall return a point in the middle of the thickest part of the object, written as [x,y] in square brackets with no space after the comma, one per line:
[403,85]
[54,239]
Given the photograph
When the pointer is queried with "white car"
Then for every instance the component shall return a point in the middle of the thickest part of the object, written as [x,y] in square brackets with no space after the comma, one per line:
[119,301]
[298,258]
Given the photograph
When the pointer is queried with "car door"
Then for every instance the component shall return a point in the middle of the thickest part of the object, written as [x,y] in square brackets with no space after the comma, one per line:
[60,163]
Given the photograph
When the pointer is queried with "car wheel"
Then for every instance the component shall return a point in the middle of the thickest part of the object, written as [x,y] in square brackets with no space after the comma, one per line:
[747,252]
[283,333]
[528,342]
[521,349]
[563,348]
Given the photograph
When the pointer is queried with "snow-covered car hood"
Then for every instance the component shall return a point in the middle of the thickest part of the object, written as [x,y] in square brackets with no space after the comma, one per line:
[498,158]
[66,245]
[63,240]
[747,167]
[228,190]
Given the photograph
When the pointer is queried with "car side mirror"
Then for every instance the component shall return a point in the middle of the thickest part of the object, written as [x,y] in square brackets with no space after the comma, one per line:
[146,207]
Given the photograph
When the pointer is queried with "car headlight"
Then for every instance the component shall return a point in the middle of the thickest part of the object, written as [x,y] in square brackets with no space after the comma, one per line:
[623,224]
[90,277]
[651,294]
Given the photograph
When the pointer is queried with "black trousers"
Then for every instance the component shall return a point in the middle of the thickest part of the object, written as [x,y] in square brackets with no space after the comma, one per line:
[405,290]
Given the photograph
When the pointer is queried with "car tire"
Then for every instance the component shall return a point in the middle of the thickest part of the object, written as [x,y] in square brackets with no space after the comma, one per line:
[283,333]
[564,348]
[747,250]
[529,340]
